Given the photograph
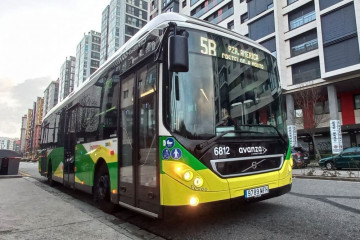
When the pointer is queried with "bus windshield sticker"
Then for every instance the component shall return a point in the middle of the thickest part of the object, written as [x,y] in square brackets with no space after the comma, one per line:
[176,153]
[170,142]
[166,154]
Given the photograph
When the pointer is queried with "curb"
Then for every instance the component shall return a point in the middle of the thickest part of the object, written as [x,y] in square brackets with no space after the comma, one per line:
[328,178]
[11,176]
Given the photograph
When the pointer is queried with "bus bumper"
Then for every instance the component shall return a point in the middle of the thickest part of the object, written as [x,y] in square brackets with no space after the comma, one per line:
[175,193]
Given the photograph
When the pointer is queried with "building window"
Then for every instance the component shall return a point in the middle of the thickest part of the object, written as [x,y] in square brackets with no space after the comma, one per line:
[291,1]
[244,18]
[302,16]
[184,3]
[306,71]
[340,38]
[230,25]
[304,43]
[357,101]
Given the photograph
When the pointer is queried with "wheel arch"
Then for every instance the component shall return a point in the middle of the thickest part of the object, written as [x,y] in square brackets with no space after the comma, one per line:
[99,163]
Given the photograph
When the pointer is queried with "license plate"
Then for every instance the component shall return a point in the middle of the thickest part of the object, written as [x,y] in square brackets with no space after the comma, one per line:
[305,158]
[256,192]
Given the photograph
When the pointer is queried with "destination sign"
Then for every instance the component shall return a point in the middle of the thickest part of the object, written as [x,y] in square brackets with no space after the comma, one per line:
[229,52]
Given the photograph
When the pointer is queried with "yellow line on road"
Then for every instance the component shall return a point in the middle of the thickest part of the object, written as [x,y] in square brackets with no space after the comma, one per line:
[24,174]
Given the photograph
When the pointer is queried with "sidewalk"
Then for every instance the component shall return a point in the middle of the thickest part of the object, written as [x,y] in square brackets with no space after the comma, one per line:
[318,173]
[28,211]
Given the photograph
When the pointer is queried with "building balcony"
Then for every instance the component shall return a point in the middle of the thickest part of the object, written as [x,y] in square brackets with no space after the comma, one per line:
[309,17]
[223,16]
[305,76]
[207,8]
[305,47]
[192,2]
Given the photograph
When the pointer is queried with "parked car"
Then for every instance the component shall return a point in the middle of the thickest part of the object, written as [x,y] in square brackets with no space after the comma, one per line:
[305,153]
[349,158]
[298,158]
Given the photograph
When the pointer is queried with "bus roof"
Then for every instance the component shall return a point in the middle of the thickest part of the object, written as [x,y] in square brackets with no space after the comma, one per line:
[153,24]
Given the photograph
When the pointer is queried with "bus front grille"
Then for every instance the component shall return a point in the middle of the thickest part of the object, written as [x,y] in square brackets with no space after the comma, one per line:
[234,167]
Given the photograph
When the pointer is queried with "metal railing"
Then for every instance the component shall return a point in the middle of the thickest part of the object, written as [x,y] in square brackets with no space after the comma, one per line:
[223,16]
[192,2]
[306,76]
[309,17]
[304,47]
[207,8]
[291,1]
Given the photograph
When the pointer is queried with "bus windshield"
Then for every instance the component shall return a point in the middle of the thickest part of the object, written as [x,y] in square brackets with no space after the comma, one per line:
[230,86]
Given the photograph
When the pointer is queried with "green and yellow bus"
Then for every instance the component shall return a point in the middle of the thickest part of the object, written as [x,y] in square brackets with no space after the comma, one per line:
[184,113]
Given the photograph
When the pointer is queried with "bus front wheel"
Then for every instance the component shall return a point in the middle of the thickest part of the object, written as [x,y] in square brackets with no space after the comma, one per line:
[49,175]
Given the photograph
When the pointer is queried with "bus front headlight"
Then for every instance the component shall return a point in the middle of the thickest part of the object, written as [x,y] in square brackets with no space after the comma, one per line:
[188,175]
[198,181]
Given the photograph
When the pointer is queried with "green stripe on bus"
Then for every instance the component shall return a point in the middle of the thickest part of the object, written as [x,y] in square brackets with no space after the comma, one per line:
[186,156]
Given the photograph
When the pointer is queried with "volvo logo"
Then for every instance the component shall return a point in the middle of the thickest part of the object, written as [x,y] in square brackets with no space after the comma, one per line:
[254,165]
[253,150]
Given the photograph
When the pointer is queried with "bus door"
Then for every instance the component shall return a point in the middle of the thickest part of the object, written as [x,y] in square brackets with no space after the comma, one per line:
[69,147]
[139,168]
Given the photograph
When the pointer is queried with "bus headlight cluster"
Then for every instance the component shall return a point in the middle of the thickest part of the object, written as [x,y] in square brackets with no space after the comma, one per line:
[188,175]
[198,181]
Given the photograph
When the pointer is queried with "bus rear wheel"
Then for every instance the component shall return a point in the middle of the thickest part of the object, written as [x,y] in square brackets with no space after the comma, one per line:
[102,190]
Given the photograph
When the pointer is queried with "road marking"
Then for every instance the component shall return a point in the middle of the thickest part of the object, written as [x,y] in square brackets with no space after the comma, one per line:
[24,174]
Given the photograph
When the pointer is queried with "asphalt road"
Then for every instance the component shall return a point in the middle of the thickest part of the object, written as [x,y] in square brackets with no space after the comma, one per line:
[314,209]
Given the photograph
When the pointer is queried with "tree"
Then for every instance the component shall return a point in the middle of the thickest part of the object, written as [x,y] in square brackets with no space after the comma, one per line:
[311,100]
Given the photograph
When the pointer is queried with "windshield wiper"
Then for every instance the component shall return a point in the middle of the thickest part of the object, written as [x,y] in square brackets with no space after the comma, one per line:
[206,143]
[269,126]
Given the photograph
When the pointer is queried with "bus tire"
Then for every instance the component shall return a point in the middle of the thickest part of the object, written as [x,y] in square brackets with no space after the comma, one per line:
[49,175]
[102,190]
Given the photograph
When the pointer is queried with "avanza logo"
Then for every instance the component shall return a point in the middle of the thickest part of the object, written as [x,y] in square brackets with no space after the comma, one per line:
[253,150]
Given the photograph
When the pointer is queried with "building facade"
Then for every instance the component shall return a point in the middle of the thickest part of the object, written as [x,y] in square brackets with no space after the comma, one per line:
[33,128]
[51,94]
[120,21]
[10,144]
[67,78]
[4,143]
[23,133]
[28,139]
[38,114]
[87,56]
[316,43]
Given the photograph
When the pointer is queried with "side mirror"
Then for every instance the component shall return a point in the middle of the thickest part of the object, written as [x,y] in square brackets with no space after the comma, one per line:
[178,49]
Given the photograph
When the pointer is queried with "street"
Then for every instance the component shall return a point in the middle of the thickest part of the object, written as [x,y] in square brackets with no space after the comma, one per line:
[314,209]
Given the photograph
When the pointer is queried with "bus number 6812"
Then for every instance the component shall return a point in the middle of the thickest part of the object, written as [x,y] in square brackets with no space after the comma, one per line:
[221,151]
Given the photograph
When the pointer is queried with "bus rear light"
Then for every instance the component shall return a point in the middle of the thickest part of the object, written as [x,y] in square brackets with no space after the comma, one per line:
[75,169]
[114,191]
[82,182]
[112,152]
[194,201]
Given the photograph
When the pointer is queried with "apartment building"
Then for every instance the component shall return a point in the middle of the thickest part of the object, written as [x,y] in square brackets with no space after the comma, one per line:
[121,19]
[51,96]
[67,78]
[87,56]
[23,133]
[316,43]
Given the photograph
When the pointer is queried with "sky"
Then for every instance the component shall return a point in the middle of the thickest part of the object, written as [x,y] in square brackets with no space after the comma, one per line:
[35,38]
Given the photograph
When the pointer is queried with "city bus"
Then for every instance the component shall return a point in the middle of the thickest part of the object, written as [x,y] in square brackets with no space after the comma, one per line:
[184,113]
